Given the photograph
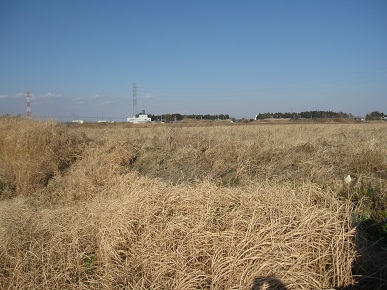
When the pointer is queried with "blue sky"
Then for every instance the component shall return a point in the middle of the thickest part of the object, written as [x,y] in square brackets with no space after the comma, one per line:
[79,58]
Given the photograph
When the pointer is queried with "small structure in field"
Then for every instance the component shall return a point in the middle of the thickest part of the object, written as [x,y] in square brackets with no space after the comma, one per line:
[142,118]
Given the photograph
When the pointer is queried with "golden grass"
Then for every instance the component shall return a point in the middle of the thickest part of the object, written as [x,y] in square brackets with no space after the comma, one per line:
[185,207]
[33,152]
[144,234]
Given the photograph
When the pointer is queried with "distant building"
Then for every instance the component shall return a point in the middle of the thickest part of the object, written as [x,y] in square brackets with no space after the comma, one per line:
[142,118]
[78,121]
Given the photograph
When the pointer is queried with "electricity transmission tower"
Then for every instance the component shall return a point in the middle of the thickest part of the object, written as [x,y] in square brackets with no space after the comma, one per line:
[134,99]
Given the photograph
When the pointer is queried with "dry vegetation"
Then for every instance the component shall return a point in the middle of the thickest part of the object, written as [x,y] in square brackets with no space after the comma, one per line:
[192,206]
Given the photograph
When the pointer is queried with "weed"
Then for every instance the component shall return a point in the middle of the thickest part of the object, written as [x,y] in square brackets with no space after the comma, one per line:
[89,263]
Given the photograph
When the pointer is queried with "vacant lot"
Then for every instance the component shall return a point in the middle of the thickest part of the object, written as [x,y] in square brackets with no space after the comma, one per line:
[192,205]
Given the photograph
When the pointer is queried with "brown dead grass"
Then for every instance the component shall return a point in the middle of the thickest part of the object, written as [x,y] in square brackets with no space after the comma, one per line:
[176,207]
[31,153]
[145,234]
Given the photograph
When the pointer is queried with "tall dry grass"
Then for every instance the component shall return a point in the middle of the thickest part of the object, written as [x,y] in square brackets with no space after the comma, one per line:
[145,234]
[317,152]
[32,152]
[192,207]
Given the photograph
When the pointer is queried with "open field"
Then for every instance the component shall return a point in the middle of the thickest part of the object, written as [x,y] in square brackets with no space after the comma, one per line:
[206,205]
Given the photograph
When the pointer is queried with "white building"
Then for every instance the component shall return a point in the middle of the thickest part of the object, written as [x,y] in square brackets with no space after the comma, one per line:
[142,118]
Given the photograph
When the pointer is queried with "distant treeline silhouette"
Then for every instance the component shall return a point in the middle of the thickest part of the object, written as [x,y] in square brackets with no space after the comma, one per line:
[287,115]
[306,115]
[179,117]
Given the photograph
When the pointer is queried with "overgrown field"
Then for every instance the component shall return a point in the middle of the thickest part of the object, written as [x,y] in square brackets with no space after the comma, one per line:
[192,206]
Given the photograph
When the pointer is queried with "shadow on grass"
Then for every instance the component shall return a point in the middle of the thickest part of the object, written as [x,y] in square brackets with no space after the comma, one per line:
[269,282]
[370,268]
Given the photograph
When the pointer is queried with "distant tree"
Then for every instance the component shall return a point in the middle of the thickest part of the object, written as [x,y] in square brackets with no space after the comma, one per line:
[261,116]
[376,115]
[223,117]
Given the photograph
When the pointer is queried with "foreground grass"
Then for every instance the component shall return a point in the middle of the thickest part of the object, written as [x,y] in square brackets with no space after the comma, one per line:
[175,207]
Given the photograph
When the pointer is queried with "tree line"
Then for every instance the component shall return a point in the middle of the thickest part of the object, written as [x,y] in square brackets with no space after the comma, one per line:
[179,117]
[376,115]
[304,115]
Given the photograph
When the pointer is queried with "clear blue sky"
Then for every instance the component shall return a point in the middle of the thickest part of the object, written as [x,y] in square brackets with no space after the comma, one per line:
[80,58]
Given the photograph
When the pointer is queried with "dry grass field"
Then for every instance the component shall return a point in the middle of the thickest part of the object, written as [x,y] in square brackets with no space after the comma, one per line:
[194,205]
